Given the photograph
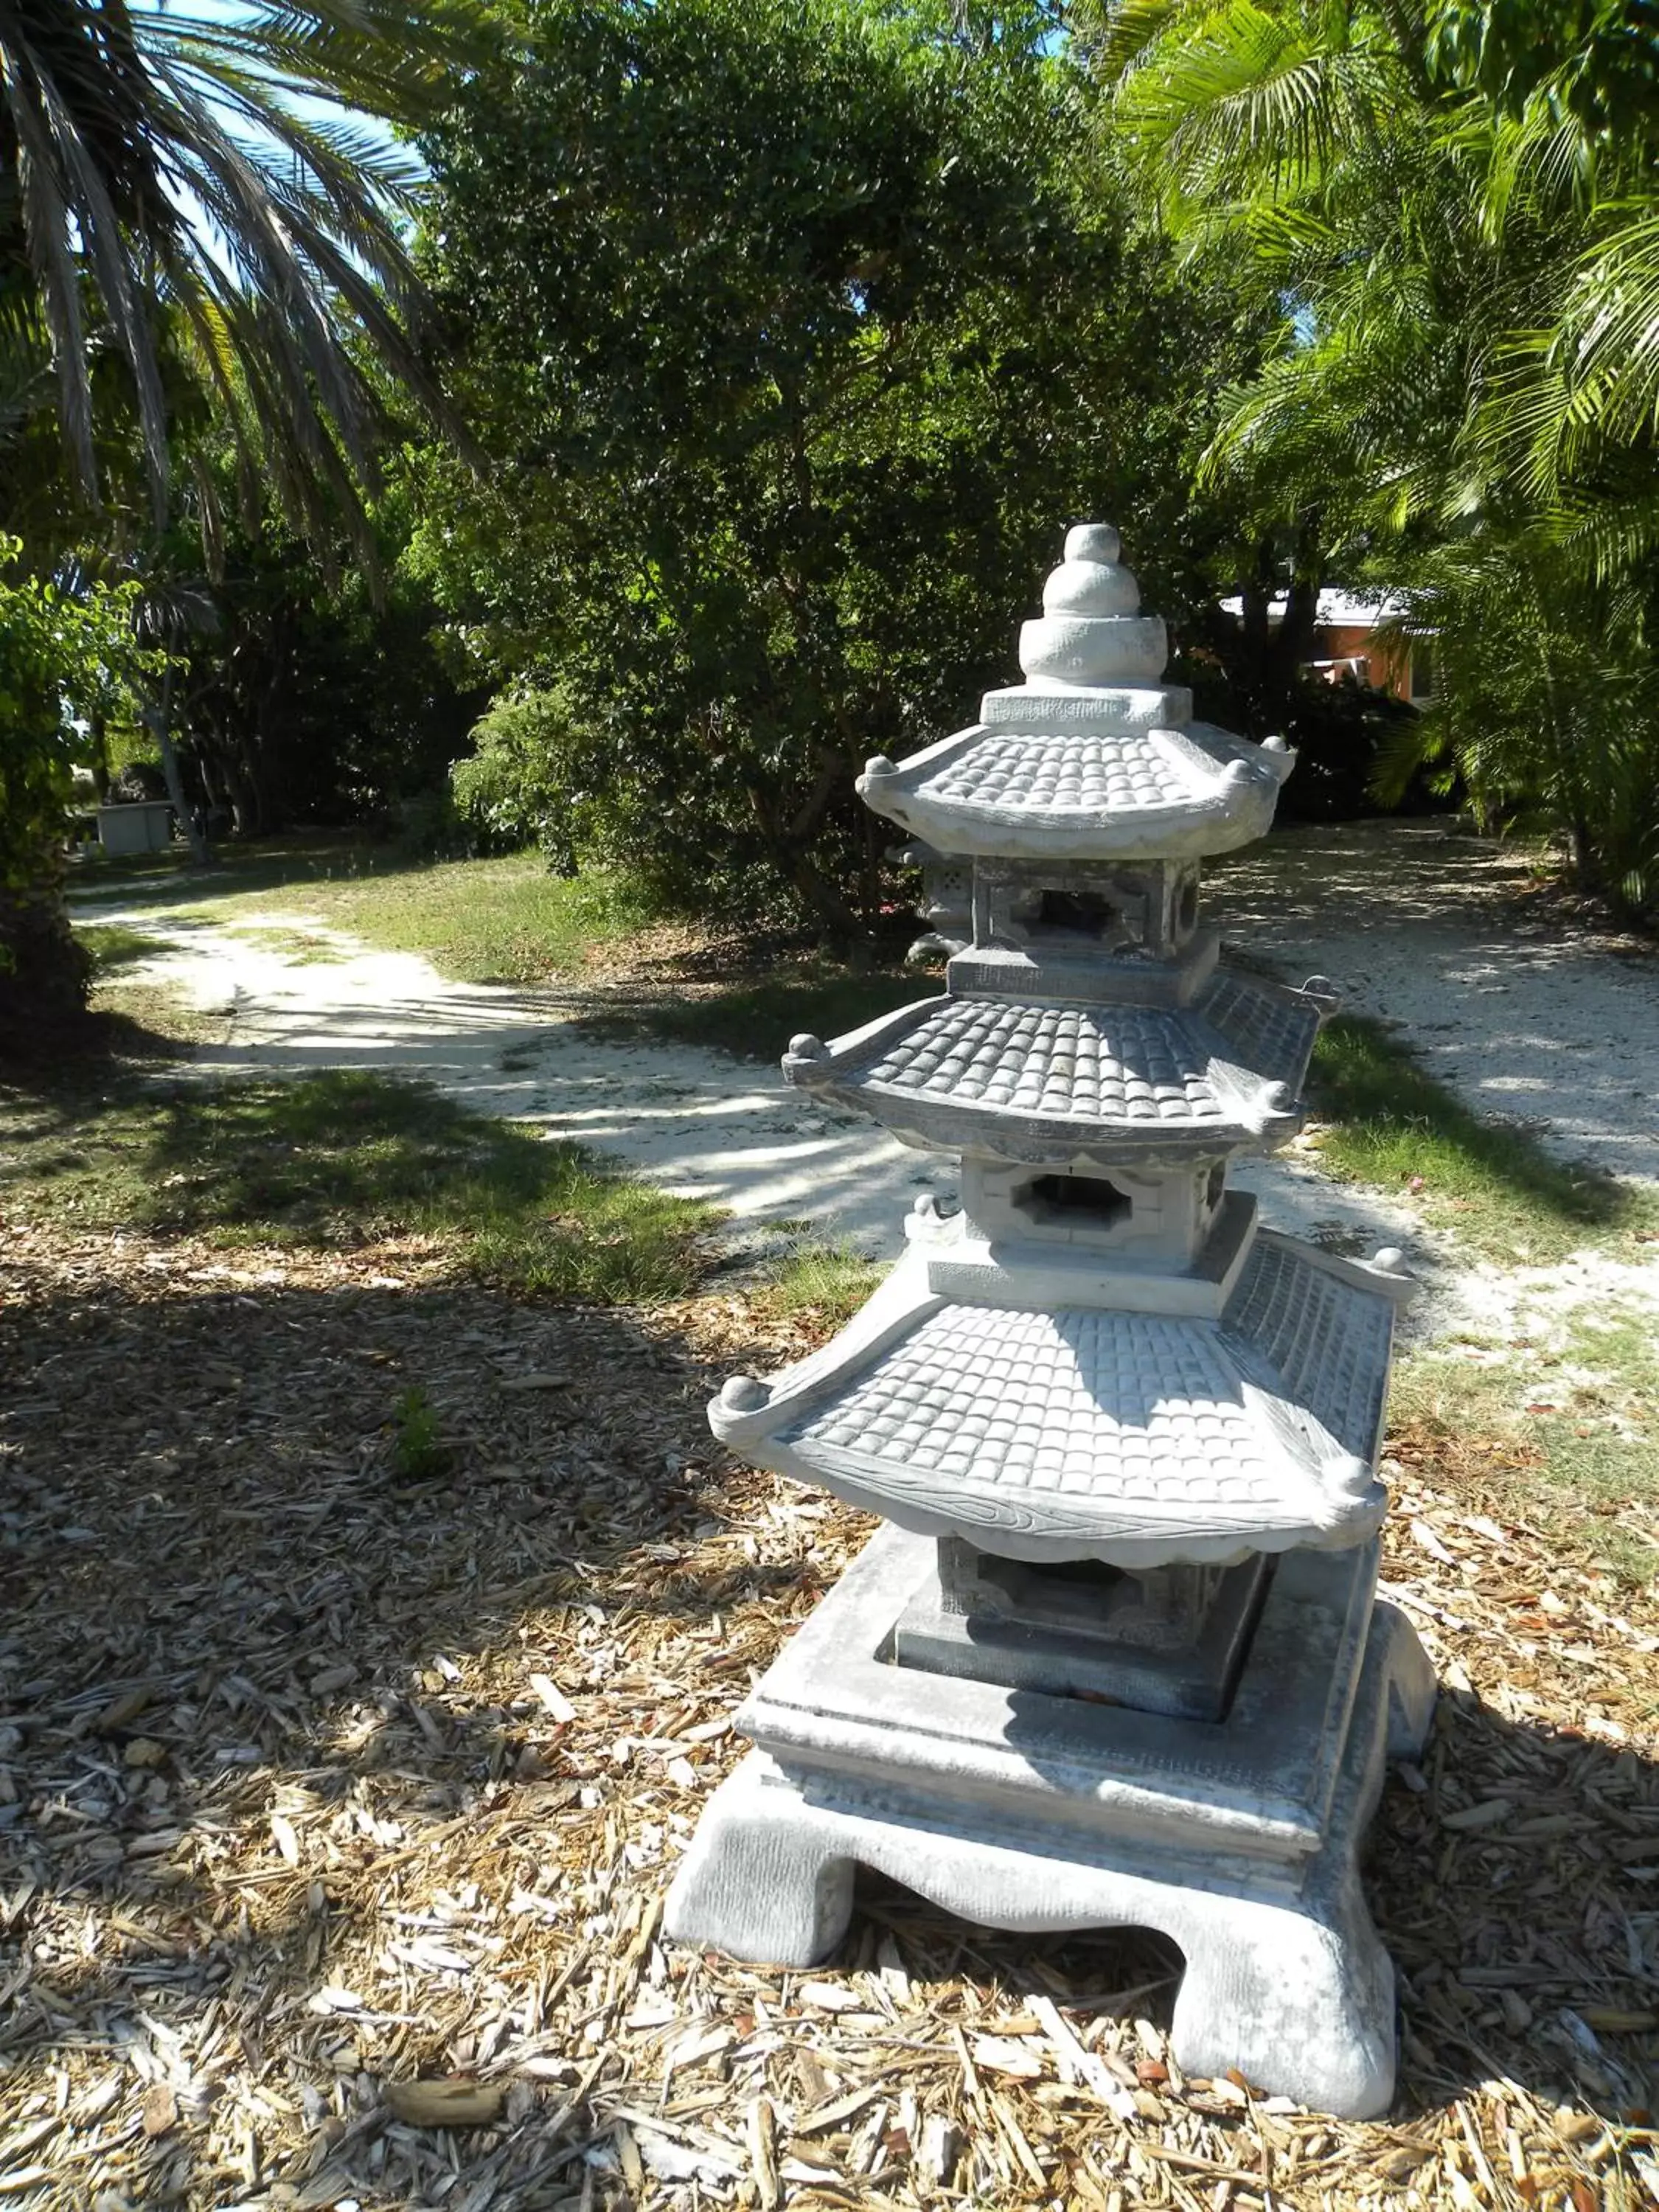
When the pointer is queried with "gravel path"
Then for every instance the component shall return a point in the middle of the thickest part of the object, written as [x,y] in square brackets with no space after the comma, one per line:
[1426,931]
[1558,1029]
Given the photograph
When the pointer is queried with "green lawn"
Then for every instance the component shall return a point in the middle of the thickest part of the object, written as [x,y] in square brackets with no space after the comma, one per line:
[1385,1123]
[1567,1438]
[113,947]
[481,922]
[340,1161]
[753,1017]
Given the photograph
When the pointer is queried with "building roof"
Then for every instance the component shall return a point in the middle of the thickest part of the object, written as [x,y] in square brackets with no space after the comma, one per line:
[1337,608]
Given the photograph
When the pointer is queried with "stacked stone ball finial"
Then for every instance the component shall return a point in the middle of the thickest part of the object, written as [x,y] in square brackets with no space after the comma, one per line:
[1117,1657]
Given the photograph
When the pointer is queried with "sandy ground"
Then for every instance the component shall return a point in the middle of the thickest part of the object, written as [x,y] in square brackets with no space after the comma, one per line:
[1555,1026]
[1551,1025]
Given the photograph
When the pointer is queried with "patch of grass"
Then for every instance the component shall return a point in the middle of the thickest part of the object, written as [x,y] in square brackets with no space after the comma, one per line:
[755,1019]
[342,1160]
[1388,1123]
[819,1281]
[301,947]
[110,946]
[417,1447]
[479,922]
[1566,1438]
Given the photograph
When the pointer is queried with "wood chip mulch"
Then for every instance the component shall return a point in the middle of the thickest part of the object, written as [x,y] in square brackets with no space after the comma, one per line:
[337,1810]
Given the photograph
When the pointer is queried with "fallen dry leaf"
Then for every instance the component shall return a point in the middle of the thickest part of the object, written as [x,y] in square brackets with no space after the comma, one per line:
[158,2110]
[450,2102]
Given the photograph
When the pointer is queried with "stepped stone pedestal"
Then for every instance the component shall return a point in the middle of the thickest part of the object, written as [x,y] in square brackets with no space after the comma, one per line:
[1116,1658]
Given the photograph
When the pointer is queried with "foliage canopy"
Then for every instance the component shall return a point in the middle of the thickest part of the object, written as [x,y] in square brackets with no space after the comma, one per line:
[792,334]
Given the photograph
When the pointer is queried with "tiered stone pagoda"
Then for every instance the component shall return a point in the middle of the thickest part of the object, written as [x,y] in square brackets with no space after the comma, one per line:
[1115,1658]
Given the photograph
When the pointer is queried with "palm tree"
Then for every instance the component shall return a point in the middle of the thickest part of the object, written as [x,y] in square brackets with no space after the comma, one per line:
[1460,223]
[212,192]
[230,172]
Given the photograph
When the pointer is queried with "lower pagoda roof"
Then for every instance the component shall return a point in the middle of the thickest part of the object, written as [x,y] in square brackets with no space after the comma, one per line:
[1089,1432]
[1048,1082]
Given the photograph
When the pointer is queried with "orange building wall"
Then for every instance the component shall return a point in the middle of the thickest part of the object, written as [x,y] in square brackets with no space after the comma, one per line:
[1388,666]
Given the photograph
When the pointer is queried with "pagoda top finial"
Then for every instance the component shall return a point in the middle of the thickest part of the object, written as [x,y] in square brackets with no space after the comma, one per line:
[1088,576]
[1091,631]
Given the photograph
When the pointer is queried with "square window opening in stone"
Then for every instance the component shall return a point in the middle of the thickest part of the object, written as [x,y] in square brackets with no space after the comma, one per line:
[1074,1202]
[1076,913]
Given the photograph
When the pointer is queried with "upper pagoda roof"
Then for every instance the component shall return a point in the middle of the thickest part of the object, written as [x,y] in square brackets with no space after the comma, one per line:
[1082,793]
[1141,1439]
[1092,757]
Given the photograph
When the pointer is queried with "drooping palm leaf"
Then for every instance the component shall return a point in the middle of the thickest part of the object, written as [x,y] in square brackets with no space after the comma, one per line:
[214,170]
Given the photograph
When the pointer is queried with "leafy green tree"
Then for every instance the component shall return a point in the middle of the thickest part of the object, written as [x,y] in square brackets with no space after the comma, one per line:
[519,786]
[792,336]
[65,661]
[215,169]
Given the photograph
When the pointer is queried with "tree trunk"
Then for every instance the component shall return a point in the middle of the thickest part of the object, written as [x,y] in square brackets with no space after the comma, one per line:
[160,717]
[841,925]
[44,973]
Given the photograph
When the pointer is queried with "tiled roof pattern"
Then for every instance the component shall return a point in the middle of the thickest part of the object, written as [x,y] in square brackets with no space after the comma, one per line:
[1097,1406]
[1092,1063]
[1064,772]
[1272,1035]
[1327,1339]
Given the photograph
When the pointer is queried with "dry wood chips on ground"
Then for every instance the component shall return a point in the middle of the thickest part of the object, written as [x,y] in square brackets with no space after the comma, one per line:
[335,1811]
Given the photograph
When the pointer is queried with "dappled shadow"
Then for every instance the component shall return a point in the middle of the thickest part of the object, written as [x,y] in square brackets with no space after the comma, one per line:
[1527,1012]
[170,878]
[344,1160]
[1525,1948]
[700,1123]
[753,1012]
[319,1777]
[254,1680]
[697,1121]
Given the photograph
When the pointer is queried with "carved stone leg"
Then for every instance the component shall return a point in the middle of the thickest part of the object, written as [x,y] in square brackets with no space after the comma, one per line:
[763,1879]
[1286,1979]
[1301,1995]
[1295,1991]
[1294,2000]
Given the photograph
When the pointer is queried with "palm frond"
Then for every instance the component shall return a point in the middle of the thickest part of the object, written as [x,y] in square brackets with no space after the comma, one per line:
[177,160]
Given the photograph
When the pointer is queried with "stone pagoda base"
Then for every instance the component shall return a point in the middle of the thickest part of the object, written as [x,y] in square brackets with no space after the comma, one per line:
[1237,1839]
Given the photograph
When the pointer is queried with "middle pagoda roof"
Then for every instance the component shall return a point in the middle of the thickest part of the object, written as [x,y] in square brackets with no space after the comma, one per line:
[1057,1082]
[1093,758]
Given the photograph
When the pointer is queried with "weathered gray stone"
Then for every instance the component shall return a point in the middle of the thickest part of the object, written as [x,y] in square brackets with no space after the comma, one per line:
[1171,1641]
[1100,1431]
[1062,1815]
[1137,1675]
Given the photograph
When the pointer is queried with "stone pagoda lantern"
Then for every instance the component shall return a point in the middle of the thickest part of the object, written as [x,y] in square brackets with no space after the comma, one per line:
[1116,1656]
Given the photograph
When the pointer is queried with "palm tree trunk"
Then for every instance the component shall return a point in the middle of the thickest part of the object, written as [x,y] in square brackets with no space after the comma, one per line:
[160,717]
